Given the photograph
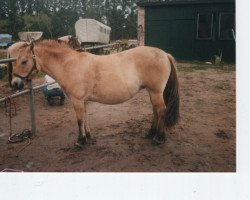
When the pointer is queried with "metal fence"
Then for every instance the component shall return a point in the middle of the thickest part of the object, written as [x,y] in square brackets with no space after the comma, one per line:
[7,60]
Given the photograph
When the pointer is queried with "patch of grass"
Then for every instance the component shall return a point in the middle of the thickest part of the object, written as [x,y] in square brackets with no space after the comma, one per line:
[226,68]
[190,67]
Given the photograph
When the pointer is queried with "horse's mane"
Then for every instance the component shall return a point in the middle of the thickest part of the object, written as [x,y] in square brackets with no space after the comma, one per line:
[52,43]
[54,46]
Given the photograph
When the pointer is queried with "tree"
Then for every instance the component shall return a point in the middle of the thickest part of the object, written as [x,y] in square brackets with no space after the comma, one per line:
[57,17]
[38,23]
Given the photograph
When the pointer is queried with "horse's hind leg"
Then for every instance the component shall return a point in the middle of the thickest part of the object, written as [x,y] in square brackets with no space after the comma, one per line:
[153,129]
[160,110]
[80,114]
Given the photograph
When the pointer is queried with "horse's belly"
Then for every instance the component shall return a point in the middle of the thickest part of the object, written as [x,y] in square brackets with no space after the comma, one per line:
[114,91]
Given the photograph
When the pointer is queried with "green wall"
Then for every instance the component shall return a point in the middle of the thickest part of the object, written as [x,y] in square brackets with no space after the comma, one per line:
[173,28]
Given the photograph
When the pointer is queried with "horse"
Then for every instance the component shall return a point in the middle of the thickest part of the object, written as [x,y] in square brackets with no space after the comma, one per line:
[107,79]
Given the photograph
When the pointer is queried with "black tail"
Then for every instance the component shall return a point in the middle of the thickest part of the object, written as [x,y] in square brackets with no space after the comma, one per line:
[171,97]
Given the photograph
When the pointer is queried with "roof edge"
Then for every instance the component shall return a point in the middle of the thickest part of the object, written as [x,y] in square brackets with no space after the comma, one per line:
[146,4]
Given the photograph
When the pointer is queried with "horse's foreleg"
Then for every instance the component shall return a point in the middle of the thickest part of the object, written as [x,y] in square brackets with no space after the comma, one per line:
[85,121]
[80,115]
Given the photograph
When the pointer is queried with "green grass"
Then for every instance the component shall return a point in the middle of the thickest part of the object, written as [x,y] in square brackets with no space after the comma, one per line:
[191,67]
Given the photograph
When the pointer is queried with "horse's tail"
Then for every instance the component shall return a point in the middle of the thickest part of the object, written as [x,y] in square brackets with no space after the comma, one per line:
[171,96]
[9,69]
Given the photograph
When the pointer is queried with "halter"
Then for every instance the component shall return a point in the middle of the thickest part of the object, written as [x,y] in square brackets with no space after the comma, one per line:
[26,78]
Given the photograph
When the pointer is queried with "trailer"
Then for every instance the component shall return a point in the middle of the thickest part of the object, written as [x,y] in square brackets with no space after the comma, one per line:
[91,33]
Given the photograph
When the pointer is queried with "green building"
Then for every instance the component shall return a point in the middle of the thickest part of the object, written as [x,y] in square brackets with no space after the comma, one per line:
[189,29]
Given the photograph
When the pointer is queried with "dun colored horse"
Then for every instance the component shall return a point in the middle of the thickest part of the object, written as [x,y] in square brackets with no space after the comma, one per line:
[109,79]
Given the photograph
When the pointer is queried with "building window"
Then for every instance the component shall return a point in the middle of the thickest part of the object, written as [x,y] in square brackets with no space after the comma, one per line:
[226,26]
[204,26]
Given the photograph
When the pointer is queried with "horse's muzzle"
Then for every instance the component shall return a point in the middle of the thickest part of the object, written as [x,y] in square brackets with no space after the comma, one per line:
[17,83]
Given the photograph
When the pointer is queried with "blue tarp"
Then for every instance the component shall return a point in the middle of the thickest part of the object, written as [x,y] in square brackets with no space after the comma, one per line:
[5,39]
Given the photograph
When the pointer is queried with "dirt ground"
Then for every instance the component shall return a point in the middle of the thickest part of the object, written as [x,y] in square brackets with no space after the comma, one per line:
[203,141]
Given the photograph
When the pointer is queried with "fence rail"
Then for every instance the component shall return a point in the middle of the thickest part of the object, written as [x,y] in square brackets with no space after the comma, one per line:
[7,60]
[26,91]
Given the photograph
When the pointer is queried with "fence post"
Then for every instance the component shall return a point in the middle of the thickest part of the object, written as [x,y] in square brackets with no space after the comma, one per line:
[32,108]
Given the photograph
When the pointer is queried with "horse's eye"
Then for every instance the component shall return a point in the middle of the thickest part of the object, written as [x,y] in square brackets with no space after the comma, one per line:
[24,62]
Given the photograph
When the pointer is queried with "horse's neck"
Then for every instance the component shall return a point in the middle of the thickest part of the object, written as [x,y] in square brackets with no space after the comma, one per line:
[51,63]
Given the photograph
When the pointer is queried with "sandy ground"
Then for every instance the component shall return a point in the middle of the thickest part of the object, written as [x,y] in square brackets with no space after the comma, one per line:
[203,141]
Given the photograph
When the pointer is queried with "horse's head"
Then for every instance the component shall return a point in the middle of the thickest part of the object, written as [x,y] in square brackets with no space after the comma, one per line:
[25,67]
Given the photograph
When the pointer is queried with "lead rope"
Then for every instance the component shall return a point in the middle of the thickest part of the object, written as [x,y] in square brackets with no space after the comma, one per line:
[10,111]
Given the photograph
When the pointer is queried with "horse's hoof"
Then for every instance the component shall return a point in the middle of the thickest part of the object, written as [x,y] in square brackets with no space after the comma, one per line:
[88,135]
[151,134]
[82,141]
[159,139]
